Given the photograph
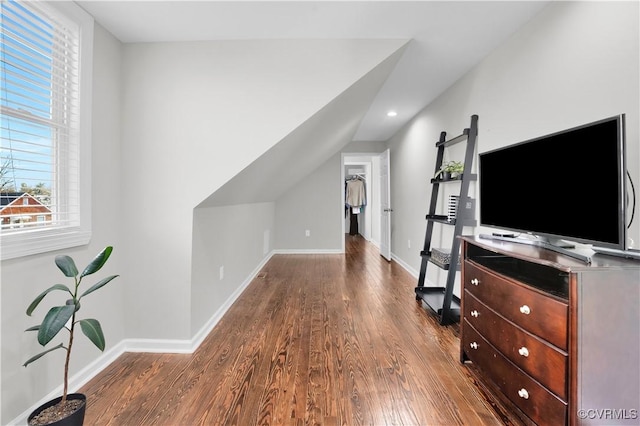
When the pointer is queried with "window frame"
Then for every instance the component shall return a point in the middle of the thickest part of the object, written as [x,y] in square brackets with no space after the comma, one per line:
[41,240]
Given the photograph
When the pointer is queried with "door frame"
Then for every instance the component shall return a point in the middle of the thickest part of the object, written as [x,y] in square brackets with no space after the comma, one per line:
[371,162]
[385,204]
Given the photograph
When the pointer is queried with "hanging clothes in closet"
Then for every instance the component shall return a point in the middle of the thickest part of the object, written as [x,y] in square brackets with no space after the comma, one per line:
[355,199]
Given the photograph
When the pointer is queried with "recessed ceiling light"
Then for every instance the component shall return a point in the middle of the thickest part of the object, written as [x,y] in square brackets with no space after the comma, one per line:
[392,114]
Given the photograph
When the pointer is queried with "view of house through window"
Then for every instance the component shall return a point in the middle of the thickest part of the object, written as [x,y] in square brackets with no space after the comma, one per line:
[39,165]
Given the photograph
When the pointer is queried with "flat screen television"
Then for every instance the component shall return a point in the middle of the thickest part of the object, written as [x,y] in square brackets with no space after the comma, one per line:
[568,185]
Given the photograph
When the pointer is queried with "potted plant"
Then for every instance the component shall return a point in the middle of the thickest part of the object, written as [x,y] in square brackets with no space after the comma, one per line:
[69,408]
[450,170]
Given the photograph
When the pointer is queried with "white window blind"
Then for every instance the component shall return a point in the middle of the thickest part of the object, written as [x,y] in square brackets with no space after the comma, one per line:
[40,188]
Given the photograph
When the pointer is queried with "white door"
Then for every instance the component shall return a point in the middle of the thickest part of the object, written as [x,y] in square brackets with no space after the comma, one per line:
[385,207]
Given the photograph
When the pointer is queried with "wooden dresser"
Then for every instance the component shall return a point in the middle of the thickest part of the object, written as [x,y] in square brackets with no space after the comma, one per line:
[557,338]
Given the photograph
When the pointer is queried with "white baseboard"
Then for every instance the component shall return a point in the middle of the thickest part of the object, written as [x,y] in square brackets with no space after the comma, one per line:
[178,346]
[413,272]
[308,251]
[405,266]
[204,331]
[169,346]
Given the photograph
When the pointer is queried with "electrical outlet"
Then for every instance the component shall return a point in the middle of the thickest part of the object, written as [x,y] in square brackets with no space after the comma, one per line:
[221,273]
[307,233]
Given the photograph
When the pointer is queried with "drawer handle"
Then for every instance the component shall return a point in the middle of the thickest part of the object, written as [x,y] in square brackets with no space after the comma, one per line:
[523,351]
[525,309]
[475,281]
[522,393]
[473,345]
[474,313]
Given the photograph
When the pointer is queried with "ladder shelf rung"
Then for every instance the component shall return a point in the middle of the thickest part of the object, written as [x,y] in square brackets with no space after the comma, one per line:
[459,178]
[429,257]
[441,218]
[437,217]
[434,298]
[463,137]
[444,266]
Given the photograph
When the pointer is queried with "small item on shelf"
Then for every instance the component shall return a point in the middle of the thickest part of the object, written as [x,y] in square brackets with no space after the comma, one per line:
[450,170]
[453,207]
[441,255]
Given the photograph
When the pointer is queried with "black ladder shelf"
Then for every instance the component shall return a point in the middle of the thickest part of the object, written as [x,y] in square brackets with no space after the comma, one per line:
[441,299]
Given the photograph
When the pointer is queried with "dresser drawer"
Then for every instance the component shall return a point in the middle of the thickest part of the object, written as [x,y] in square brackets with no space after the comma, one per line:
[535,312]
[538,358]
[542,406]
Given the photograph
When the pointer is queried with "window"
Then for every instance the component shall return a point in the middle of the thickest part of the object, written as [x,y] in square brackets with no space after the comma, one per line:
[45,57]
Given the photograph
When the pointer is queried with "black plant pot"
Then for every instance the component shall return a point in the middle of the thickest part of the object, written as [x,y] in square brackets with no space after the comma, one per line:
[74,419]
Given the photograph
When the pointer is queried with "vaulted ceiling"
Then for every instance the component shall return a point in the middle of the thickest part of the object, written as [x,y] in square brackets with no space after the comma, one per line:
[447,37]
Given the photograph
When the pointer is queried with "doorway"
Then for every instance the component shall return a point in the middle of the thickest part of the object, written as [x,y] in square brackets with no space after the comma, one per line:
[367,165]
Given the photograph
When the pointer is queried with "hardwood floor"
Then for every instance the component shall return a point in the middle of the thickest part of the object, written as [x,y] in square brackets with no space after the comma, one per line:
[314,340]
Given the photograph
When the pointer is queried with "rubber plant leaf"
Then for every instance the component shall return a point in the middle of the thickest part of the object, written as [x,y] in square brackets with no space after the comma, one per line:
[41,296]
[98,261]
[92,329]
[66,265]
[35,357]
[53,322]
[98,285]
[34,328]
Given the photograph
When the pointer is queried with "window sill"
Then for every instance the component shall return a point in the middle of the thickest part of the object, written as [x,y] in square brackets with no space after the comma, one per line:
[41,241]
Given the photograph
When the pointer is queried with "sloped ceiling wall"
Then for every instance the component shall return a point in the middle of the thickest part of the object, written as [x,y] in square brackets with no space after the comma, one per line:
[308,146]
[196,114]
[236,226]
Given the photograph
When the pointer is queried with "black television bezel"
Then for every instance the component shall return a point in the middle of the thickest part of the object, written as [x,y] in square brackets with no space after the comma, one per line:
[621,178]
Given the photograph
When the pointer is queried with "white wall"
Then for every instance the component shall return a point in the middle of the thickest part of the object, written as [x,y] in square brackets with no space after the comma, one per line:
[316,203]
[24,278]
[574,63]
[236,238]
[311,205]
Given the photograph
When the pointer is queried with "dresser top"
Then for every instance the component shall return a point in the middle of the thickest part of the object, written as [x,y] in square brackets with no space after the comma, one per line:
[543,256]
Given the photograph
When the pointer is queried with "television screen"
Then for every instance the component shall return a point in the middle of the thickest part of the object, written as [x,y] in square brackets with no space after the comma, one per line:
[568,185]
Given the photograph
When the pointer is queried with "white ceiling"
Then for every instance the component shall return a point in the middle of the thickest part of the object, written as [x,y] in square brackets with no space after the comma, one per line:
[448,37]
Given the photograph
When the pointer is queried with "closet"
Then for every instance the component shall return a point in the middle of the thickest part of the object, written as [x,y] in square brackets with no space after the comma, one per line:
[355,199]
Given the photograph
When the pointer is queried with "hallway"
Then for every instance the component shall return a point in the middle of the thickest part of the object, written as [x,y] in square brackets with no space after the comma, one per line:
[314,339]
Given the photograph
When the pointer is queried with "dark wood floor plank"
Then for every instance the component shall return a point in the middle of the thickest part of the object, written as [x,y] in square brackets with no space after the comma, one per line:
[314,340]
